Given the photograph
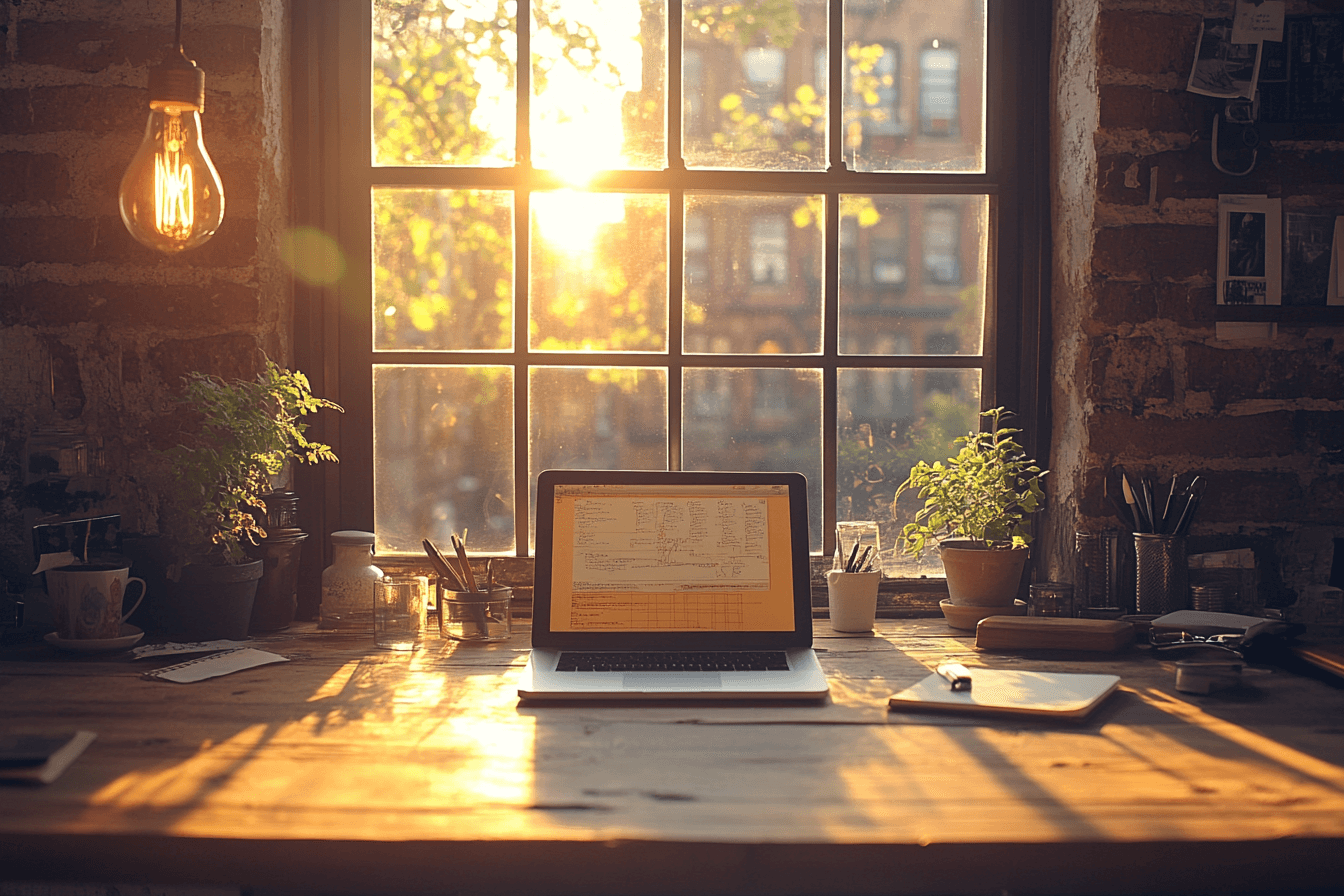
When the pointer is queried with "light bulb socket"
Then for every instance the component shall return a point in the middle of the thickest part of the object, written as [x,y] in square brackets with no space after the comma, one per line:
[177,81]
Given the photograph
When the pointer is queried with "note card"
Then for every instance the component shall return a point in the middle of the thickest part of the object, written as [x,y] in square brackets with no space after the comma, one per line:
[216,664]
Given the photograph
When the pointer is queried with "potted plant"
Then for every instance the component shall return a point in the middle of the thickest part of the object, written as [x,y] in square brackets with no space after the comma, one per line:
[240,436]
[977,509]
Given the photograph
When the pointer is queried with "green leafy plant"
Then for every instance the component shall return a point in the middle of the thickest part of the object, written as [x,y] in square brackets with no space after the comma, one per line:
[248,432]
[986,493]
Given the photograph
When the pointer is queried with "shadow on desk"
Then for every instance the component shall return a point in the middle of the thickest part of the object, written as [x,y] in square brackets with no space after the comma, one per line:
[353,770]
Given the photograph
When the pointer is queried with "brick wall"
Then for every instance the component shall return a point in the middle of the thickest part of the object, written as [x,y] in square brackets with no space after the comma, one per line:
[95,329]
[1140,377]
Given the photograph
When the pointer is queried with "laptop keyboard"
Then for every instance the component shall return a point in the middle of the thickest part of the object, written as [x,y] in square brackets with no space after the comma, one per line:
[674,661]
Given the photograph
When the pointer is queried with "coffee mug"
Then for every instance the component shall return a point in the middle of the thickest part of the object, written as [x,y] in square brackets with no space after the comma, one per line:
[87,599]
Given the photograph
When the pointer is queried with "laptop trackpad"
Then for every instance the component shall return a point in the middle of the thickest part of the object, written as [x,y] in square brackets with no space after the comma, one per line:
[679,681]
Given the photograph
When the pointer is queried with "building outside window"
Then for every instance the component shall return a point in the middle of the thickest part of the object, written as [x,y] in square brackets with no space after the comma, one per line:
[769,250]
[566,265]
[942,245]
[939,86]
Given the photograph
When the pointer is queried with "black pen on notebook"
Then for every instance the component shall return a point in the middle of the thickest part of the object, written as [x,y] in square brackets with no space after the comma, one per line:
[957,674]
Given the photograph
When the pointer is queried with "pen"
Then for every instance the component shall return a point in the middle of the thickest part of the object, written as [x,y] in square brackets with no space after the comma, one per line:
[957,674]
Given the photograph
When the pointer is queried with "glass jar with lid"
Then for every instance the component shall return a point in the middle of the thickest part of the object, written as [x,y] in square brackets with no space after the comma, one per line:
[347,584]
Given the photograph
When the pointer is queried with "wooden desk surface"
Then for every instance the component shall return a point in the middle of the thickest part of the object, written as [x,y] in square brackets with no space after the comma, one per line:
[355,770]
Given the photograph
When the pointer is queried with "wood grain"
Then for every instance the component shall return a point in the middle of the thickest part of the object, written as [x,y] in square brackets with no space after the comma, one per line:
[351,769]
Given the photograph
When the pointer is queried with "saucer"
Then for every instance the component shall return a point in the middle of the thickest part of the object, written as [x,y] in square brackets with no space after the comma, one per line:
[126,640]
[967,616]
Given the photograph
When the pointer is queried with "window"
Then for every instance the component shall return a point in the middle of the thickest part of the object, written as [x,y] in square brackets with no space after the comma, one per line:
[769,250]
[939,86]
[689,236]
[942,244]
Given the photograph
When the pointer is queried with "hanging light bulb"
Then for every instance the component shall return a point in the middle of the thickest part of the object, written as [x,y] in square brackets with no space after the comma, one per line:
[171,197]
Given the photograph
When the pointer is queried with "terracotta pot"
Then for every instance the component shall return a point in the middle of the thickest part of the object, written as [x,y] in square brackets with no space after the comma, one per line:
[978,576]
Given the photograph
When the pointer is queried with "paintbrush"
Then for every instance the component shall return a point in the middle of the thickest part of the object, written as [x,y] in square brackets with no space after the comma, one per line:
[461,547]
[443,567]
[1140,524]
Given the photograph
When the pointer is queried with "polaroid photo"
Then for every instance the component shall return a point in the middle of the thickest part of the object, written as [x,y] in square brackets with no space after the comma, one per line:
[1250,250]
[1223,68]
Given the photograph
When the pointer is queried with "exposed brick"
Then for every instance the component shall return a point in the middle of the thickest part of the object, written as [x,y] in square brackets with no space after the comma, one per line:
[1146,42]
[1190,174]
[1259,435]
[92,110]
[210,304]
[1231,375]
[86,240]
[230,356]
[94,46]
[1131,372]
[1145,252]
[32,177]
[1122,179]
[1125,301]
[1145,109]
[1254,497]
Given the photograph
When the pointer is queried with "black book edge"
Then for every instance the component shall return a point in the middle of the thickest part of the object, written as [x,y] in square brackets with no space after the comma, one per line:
[55,765]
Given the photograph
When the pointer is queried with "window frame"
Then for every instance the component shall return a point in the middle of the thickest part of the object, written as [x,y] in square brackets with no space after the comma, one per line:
[334,176]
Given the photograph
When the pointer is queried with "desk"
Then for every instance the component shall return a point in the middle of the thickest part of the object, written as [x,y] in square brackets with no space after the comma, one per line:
[355,770]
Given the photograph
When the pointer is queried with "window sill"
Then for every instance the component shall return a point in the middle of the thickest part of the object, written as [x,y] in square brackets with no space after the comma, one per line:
[896,598]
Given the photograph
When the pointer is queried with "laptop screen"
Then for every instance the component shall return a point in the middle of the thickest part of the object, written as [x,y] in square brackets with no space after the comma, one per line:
[663,555]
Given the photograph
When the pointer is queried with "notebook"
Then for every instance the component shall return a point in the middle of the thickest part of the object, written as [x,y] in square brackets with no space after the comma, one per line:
[671,586]
[1060,695]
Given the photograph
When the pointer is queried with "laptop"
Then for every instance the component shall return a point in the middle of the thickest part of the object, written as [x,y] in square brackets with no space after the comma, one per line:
[672,586]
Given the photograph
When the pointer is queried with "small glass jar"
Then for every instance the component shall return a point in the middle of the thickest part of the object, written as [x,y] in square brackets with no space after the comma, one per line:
[475,615]
[347,584]
[1050,599]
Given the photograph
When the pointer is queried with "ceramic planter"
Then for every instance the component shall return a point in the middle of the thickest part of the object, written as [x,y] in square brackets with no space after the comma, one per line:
[978,576]
[277,590]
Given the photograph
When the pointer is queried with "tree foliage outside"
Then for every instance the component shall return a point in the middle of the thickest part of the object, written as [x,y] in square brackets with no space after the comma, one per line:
[443,94]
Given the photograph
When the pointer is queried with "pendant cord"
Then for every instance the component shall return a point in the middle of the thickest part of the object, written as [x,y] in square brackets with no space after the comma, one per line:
[179,28]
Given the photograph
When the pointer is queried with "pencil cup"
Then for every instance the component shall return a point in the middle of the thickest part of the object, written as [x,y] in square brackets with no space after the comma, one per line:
[475,615]
[853,600]
[399,611]
[1161,577]
[857,548]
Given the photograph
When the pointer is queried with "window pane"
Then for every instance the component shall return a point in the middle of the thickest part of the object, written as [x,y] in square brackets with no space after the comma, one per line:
[598,81]
[755,419]
[914,86]
[890,418]
[595,418]
[599,272]
[443,83]
[442,456]
[916,283]
[443,269]
[753,274]
[752,96]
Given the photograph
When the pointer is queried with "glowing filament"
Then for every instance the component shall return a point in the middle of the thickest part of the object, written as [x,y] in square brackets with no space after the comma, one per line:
[174,213]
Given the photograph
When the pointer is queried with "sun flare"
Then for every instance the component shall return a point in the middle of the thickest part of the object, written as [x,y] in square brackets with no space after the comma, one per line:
[569,220]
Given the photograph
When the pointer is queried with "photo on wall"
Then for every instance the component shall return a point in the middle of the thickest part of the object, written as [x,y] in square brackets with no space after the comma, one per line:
[1250,247]
[1221,67]
[1308,240]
